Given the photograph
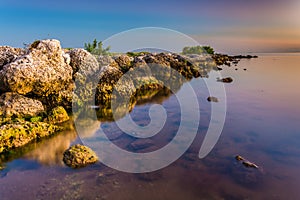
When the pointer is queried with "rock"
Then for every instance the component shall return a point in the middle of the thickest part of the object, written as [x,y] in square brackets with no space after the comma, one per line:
[245,162]
[79,156]
[58,115]
[141,144]
[83,61]
[104,60]
[15,105]
[109,76]
[225,80]
[212,99]
[42,71]
[9,54]
[22,132]
[124,62]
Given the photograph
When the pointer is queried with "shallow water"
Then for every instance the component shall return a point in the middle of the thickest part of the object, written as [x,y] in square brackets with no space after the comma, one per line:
[262,125]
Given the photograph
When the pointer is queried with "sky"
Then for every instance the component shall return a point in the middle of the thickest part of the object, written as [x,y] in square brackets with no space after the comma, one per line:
[230,26]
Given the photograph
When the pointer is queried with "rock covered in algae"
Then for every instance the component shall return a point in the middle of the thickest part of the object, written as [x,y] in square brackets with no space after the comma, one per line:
[79,156]
[17,134]
[58,115]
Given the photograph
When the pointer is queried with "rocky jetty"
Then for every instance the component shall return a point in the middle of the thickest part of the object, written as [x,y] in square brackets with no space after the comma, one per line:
[41,84]
[223,59]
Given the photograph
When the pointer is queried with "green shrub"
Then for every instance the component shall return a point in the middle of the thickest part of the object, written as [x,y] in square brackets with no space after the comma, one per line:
[96,48]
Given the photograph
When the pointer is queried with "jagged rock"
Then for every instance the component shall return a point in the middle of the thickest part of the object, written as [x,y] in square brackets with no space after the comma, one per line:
[58,115]
[15,105]
[124,62]
[79,156]
[17,134]
[83,61]
[42,71]
[109,76]
[9,54]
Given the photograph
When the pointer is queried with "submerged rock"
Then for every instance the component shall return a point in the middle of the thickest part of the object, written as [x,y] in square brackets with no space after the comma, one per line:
[15,105]
[13,135]
[79,156]
[245,162]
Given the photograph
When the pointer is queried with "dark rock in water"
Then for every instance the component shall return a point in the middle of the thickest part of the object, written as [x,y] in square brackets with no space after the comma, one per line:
[212,99]
[236,68]
[247,173]
[79,156]
[245,162]
[16,105]
[245,69]
[141,144]
[225,80]
[217,68]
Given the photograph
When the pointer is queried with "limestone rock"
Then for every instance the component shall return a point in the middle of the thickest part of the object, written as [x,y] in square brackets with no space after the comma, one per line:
[9,54]
[20,133]
[83,61]
[42,71]
[15,105]
[124,62]
[79,156]
[58,115]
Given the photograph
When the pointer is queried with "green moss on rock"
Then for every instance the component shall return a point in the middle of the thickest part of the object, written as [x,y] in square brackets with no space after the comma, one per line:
[58,115]
[20,133]
[79,156]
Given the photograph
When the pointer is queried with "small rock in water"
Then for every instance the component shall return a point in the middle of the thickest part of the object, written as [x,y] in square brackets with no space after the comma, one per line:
[225,80]
[245,162]
[212,99]
[79,156]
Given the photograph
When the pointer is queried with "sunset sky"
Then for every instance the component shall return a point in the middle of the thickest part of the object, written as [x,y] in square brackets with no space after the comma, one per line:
[232,26]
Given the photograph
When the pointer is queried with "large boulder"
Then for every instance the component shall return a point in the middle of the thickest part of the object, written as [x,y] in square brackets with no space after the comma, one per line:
[9,54]
[108,79]
[15,105]
[83,61]
[43,71]
[124,62]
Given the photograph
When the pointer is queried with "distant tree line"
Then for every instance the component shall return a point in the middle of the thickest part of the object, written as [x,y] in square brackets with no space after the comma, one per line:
[198,50]
[96,48]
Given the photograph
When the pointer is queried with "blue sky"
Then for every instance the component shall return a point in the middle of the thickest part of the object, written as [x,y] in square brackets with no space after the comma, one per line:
[229,25]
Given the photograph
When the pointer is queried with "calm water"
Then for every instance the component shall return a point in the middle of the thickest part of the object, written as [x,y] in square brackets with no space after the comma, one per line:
[262,125]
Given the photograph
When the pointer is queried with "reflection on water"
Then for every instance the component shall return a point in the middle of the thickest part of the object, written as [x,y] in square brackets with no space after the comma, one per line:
[262,125]
[50,152]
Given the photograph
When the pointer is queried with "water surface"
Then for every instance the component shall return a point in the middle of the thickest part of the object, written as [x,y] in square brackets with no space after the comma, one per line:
[262,125]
